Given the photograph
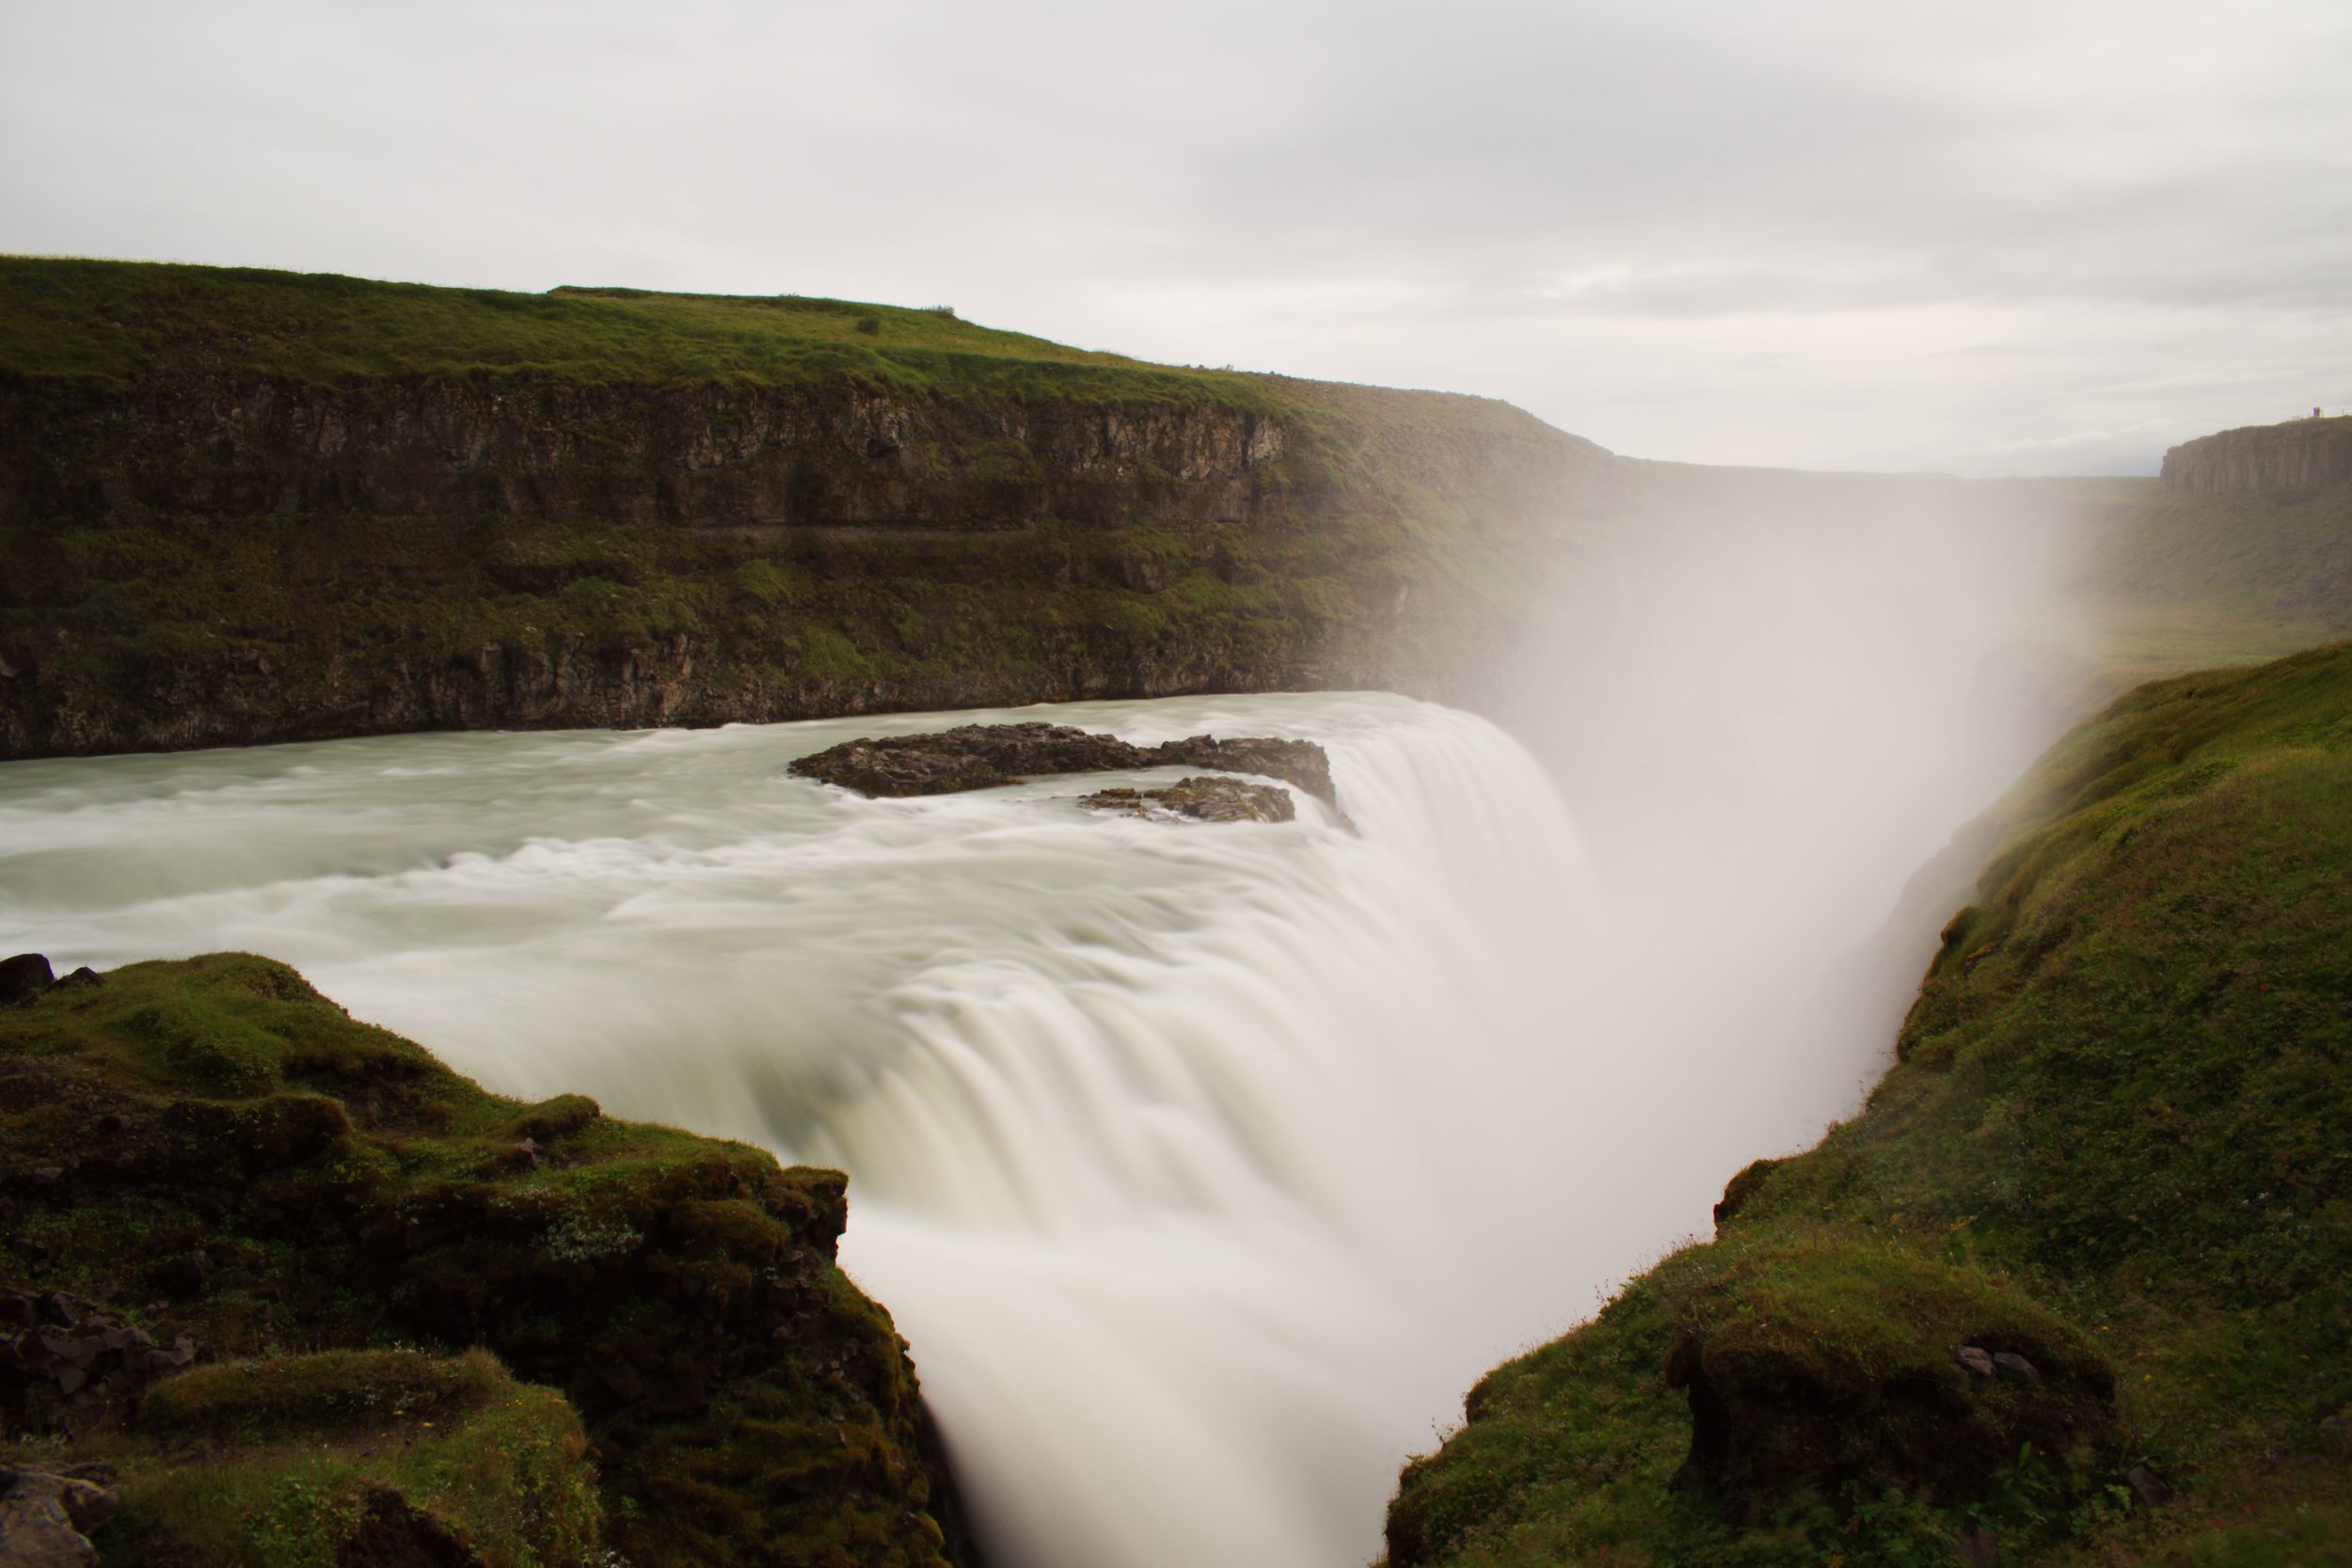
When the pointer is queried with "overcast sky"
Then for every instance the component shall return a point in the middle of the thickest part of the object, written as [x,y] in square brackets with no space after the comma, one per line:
[2053,236]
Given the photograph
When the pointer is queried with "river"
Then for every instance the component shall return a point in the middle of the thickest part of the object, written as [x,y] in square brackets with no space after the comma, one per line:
[1204,1167]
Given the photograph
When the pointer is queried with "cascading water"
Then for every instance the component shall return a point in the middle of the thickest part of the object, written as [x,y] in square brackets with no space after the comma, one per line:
[1204,1167]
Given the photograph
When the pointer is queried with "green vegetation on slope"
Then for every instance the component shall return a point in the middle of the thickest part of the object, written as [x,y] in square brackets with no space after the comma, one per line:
[120,323]
[293,1460]
[2115,1142]
[340,1233]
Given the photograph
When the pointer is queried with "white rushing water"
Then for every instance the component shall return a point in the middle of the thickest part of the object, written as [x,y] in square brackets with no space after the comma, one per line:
[1204,1167]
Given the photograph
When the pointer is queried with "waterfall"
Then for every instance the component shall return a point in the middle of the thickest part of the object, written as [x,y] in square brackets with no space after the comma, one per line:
[1202,1165]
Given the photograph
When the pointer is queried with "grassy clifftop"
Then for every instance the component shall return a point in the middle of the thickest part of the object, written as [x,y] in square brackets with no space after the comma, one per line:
[2115,1146]
[311,1297]
[243,506]
[118,322]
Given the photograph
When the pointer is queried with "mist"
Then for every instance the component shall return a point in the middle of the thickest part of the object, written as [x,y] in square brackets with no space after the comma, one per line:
[1770,700]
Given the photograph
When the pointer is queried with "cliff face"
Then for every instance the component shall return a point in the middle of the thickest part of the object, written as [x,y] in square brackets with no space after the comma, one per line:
[535,447]
[2302,454]
[241,508]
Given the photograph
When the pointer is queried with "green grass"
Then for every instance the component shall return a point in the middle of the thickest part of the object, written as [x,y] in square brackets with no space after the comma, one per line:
[117,321]
[2116,1125]
[268,1463]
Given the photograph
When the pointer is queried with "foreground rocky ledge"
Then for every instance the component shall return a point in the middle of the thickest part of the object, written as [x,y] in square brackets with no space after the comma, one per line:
[285,1288]
[984,757]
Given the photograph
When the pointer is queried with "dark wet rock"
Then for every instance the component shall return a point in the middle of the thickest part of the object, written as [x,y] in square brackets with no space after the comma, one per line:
[66,1365]
[22,978]
[1976,1360]
[1979,1547]
[1743,1188]
[1764,1427]
[46,1517]
[2148,1486]
[983,756]
[1787,1395]
[83,978]
[1294,762]
[183,1275]
[2014,1367]
[1200,800]
[388,1534]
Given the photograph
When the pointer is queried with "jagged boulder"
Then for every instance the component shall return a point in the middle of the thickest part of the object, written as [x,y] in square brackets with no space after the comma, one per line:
[48,1514]
[22,977]
[983,756]
[1200,800]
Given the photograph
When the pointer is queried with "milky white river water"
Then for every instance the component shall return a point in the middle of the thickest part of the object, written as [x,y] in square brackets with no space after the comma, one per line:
[1204,1167]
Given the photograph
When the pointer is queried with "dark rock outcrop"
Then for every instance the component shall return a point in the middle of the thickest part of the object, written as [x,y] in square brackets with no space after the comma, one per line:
[2301,455]
[1201,801]
[48,1514]
[820,457]
[1741,1189]
[66,1365]
[983,756]
[217,1142]
[1824,1366]
[25,974]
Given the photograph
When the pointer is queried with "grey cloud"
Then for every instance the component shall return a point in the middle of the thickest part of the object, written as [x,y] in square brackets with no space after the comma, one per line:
[1616,216]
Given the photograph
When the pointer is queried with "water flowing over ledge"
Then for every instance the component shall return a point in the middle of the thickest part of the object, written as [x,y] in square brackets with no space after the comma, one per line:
[1174,1147]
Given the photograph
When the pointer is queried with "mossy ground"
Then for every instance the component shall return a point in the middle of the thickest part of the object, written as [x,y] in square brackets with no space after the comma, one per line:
[2119,1108]
[209,1147]
[272,1462]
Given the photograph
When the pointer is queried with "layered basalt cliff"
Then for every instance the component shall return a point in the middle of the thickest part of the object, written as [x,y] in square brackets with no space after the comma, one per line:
[536,446]
[242,507]
[2301,455]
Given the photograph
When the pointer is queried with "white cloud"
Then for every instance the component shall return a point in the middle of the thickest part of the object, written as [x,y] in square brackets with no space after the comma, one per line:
[2049,235]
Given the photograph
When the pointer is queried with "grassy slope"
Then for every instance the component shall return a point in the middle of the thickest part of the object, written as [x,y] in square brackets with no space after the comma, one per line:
[2119,1100]
[116,322]
[348,1194]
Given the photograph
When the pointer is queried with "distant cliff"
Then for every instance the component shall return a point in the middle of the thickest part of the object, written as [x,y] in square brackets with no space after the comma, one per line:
[2301,455]
[240,506]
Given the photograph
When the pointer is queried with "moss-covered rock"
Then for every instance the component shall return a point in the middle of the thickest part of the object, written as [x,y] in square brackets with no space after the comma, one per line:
[355,1457]
[208,1153]
[1824,1364]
